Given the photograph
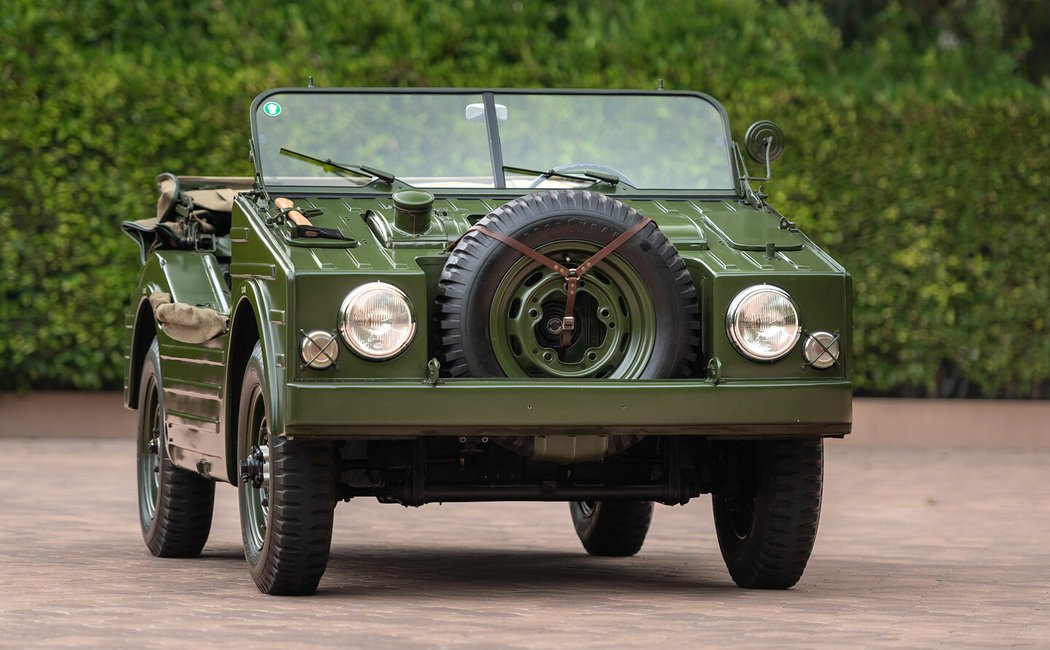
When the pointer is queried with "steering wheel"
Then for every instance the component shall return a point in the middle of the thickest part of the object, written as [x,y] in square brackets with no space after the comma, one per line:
[581,166]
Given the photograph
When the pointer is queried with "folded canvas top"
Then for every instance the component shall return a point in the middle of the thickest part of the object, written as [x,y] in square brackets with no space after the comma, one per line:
[186,207]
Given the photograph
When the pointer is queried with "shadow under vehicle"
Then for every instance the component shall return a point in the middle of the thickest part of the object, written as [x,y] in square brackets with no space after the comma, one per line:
[439,295]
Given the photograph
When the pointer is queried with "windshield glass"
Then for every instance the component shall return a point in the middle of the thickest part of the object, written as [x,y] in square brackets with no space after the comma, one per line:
[421,138]
[441,139]
[650,141]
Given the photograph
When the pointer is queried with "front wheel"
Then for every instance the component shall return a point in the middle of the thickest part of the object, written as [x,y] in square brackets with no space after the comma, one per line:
[766,519]
[287,496]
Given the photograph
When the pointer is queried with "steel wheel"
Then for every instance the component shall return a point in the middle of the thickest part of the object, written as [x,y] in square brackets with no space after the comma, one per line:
[149,449]
[286,495]
[256,495]
[614,314]
[738,515]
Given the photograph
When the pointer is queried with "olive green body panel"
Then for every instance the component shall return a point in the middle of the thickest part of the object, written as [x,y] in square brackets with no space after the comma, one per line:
[192,375]
[720,268]
[260,276]
[556,407]
[281,286]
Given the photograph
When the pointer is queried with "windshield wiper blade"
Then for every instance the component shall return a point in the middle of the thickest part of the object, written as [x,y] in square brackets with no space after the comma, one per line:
[329,165]
[546,174]
[591,176]
[606,177]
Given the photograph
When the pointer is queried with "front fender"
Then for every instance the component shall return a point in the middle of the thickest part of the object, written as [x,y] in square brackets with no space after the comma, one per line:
[251,323]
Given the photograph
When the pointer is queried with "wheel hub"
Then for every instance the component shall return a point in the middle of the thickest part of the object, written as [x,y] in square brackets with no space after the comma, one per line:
[554,326]
[551,322]
[255,468]
[612,319]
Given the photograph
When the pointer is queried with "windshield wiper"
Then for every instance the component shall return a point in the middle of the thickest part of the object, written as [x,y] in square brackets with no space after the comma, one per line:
[606,177]
[330,166]
[550,173]
[591,176]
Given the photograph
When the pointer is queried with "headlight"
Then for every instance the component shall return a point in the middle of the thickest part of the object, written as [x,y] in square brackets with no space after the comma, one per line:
[763,323]
[376,321]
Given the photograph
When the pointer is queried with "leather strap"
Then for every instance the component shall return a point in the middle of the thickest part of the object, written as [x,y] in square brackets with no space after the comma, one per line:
[523,249]
[572,276]
[612,246]
[568,321]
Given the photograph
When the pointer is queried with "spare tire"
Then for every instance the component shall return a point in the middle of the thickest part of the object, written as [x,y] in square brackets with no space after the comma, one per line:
[500,312]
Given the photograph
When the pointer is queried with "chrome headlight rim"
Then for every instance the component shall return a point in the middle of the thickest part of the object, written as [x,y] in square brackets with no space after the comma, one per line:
[344,314]
[733,313]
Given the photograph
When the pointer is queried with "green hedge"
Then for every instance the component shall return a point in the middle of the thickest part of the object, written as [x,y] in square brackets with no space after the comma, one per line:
[919,168]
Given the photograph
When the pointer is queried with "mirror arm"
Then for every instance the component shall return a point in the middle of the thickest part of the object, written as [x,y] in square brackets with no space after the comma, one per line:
[745,178]
[745,174]
[769,170]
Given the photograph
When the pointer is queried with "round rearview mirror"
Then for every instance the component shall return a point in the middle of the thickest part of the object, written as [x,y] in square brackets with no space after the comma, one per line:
[755,140]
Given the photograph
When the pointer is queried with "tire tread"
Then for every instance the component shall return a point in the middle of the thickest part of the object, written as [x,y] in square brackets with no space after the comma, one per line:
[775,554]
[470,253]
[301,518]
[298,539]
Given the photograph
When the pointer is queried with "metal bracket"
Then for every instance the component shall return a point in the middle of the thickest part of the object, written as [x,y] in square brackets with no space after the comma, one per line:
[204,243]
[433,375]
[714,371]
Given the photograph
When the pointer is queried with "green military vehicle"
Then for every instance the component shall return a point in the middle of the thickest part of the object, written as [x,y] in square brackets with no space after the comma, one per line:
[441,295]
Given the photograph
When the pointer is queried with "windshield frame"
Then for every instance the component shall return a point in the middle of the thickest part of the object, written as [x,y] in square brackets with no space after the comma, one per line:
[495,150]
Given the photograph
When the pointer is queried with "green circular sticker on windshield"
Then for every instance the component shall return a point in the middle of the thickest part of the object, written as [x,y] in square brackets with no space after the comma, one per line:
[273,109]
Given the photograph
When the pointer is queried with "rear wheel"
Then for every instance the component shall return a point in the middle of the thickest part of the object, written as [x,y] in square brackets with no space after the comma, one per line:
[767,521]
[286,493]
[612,528]
[175,506]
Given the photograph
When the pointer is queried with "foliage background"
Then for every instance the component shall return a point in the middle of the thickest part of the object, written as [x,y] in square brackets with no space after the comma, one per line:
[918,137]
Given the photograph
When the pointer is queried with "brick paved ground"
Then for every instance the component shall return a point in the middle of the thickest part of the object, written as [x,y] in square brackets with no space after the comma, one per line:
[917,548]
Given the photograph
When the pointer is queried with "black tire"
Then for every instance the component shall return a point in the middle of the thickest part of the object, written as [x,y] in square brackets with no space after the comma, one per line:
[767,524]
[286,520]
[612,528]
[479,263]
[175,505]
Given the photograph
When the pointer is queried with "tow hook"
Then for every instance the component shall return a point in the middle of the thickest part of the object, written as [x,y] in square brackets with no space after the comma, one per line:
[433,374]
[714,371]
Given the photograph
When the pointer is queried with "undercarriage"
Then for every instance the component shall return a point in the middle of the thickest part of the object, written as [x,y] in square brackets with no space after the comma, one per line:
[669,470]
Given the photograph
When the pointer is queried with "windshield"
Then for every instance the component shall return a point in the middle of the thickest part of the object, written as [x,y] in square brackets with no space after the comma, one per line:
[464,139]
